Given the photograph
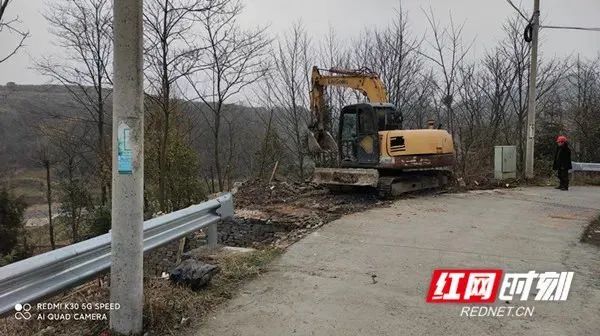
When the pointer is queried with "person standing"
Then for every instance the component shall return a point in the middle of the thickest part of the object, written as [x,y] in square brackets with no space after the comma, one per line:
[562,162]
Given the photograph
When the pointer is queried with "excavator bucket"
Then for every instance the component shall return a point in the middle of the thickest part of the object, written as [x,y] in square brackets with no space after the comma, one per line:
[322,141]
[346,176]
[313,144]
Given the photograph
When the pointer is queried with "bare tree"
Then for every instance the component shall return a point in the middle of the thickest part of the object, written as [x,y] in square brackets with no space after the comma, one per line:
[421,107]
[45,158]
[333,53]
[270,152]
[482,104]
[234,59]
[285,91]
[394,53]
[497,80]
[62,151]
[83,29]
[516,50]
[470,115]
[448,54]
[583,105]
[73,171]
[172,51]
[11,27]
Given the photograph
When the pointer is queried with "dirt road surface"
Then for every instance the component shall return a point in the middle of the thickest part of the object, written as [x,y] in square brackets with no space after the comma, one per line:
[324,284]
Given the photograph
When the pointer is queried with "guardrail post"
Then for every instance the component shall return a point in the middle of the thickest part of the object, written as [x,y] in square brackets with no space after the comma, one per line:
[211,235]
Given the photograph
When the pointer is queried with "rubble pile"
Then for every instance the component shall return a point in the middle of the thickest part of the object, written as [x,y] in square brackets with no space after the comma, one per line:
[591,234]
[282,212]
[255,192]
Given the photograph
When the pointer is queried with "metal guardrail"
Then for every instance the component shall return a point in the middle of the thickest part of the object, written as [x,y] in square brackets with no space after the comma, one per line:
[586,167]
[40,276]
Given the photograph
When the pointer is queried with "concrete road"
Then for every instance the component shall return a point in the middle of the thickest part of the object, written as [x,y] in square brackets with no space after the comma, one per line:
[323,284]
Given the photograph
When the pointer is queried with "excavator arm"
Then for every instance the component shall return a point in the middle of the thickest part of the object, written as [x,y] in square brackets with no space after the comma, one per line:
[362,80]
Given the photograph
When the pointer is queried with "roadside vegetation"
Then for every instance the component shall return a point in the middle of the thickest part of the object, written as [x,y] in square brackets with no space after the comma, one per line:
[227,102]
[13,240]
[168,309]
[203,132]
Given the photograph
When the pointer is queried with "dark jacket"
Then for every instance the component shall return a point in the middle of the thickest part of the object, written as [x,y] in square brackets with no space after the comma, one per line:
[562,157]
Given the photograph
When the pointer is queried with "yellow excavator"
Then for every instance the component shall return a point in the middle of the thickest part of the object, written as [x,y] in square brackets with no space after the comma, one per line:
[373,149]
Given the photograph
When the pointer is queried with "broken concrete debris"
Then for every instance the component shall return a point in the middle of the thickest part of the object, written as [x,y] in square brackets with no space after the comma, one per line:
[193,273]
[281,212]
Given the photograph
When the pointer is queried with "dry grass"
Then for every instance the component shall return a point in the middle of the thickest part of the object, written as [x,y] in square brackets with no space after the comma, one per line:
[90,292]
[168,308]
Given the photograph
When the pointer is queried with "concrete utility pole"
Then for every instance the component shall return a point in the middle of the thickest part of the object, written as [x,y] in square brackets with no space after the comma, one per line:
[535,23]
[126,278]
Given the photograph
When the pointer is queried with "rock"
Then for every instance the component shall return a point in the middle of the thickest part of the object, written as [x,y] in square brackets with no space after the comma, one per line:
[373,276]
[193,273]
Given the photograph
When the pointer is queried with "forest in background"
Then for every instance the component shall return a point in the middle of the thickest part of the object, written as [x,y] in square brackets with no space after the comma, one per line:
[226,102]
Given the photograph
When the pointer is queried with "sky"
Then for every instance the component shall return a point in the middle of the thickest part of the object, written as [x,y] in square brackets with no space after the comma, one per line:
[482,20]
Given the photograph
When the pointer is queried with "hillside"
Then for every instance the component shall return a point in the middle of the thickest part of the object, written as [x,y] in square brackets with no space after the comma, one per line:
[22,109]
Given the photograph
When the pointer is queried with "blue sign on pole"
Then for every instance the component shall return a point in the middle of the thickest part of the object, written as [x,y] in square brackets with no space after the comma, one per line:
[124,152]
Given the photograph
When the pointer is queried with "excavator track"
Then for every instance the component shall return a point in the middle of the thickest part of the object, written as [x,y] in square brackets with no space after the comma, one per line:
[384,186]
[390,186]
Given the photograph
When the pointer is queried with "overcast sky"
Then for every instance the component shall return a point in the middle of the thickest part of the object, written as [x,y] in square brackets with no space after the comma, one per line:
[483,22]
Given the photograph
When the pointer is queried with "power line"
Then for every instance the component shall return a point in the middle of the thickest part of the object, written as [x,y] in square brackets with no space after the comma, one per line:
[549,26]
[518,10]
[569,27]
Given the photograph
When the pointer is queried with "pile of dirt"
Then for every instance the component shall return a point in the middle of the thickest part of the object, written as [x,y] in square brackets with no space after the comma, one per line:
[591,235]
[281,212]
[253,193]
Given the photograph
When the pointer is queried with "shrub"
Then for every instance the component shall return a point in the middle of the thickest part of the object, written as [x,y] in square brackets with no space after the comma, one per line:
[100,221]
[13,244]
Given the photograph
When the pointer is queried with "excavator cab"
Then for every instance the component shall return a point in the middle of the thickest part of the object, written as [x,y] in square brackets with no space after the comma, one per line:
[359,132]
